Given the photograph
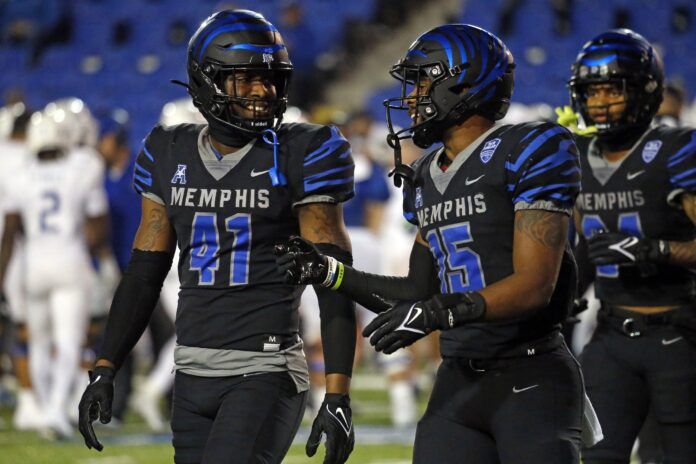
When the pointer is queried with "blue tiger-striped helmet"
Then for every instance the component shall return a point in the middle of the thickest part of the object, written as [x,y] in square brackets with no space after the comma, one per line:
[625,58]
[237,41]
[463,70]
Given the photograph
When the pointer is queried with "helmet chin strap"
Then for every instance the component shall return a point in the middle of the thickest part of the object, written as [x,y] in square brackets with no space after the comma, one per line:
[227,135]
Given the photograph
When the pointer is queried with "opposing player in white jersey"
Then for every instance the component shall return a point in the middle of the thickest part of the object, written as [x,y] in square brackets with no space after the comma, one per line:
[13,156]
[58,201]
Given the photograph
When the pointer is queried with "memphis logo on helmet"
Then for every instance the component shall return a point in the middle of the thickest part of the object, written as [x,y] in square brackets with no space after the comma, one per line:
[650,150]
[267,58]
[488,150]
[180,175]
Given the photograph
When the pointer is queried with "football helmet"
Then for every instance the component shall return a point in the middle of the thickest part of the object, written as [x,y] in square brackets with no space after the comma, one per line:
[626,59]
[73,111]
[50,131]
[237,41]
[461,70]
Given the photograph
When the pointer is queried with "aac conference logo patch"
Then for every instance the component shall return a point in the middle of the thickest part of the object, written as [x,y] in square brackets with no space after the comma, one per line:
[650,150]
[488,150]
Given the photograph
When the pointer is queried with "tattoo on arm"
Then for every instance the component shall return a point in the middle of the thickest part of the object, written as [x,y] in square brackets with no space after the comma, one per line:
[323,223]
[156,224]
[544,227]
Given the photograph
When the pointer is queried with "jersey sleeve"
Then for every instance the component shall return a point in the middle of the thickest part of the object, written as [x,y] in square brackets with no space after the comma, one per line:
[327,169]
[544,173]
[681,167]
[96,202]
[145,178]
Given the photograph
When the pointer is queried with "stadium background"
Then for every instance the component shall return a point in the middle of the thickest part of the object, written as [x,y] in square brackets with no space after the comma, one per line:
[123,54]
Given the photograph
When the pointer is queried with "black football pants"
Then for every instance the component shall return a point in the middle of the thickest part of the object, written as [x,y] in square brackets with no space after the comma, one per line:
[626,376]
[522,411]
[235,420]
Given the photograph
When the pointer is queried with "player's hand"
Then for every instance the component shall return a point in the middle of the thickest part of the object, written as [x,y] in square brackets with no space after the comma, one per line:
[96,404]
[623,249]
[334,419]
[567,118]
[402,325]
[406,322]
[301,262]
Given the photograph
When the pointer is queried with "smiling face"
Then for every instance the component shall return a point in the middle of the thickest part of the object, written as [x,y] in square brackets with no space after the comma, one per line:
[256,92]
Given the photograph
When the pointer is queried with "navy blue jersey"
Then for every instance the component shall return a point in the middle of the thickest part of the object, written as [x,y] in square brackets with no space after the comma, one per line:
[228,217]
[467,213]
[640,196]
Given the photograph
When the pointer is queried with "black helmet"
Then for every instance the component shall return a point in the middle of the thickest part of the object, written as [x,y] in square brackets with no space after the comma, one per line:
[227,42]
[471,72]
[624,58]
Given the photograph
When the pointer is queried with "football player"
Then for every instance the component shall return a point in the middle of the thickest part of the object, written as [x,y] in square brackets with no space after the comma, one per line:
[637,211]
[491,266]
[59,203]
[14,155]
[225,193]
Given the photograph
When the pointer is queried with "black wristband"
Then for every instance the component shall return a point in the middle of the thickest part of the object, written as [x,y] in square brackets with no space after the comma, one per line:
[455,309]
[106,372]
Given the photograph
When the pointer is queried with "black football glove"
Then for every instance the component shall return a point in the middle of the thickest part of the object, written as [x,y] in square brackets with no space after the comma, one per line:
[336,421]
[407,322]
[301,262]
[623,249]
[96,404]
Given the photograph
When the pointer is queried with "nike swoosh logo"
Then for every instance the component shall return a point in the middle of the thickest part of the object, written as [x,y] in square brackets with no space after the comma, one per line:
[623,244]
[258,173]
[408,319]
[670,341]
[473,181]
[345,425]
[633,175]
[417,312]
[520,390]
[95,380]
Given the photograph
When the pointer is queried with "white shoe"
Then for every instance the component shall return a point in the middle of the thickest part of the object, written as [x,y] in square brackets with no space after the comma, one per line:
[27,415]
[146,403]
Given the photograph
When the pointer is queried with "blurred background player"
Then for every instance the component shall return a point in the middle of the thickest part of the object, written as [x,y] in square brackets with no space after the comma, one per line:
[637,211]
[14,156]
[58,202]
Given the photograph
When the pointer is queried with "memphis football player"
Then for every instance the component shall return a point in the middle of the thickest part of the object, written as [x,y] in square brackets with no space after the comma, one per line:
[225,192]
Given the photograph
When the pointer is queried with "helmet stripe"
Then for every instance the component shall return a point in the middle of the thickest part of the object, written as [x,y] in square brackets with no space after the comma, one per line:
[256,48]
[443,41]
[227,27]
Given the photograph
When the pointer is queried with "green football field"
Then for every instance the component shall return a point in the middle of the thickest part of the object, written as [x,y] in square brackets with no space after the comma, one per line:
[131,443]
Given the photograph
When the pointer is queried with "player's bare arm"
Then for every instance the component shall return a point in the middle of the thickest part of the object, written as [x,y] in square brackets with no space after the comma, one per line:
[323,223]
[538,244]
[684,253]
[13,226]
[155,233]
